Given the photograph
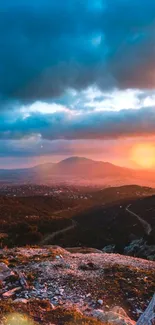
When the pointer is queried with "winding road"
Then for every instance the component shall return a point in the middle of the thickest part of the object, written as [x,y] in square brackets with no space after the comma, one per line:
[51,236]
[147,227]
[56,233]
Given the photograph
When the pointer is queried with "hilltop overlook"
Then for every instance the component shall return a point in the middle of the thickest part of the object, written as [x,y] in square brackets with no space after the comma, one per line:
[51,283]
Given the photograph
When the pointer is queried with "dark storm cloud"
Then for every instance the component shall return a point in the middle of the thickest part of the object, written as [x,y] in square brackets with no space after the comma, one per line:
[48,46]
[90,125]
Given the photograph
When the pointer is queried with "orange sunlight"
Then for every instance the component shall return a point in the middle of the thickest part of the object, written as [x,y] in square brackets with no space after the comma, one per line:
[143,155]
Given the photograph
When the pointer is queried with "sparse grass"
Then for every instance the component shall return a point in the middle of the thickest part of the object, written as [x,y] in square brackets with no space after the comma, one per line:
[30,277]
[6,307]
[125,286]
[62,316]
[41,312]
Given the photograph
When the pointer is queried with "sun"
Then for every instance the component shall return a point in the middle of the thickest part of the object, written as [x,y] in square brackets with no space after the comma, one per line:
[144,155]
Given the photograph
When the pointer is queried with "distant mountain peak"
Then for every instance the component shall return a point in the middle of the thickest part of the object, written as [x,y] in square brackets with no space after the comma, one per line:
[74,159]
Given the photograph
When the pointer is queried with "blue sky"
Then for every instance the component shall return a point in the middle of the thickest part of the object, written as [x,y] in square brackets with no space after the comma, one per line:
[76,77]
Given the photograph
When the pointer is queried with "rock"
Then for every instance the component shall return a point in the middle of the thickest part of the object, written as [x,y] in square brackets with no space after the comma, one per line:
[61,291]
[88,266]
[55,298]
[97,313]
[5,272]
[23,281]
[61,265]
[57,257]
[26,296]
[20,300]
[10,293]
[100,302]
[52,306]
[120,311]
[109,249]
[140,248]
[112,317]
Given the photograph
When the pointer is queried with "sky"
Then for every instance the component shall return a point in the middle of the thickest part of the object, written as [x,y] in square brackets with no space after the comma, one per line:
[77,77]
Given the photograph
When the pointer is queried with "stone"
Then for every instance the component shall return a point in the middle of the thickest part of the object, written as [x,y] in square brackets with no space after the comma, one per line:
[20,300]
[112,317]
[61,291]
[57,257]
[5,272]
[10,293]
[120,311]
[100,302]
[22,280]
[109,249]
[140,248]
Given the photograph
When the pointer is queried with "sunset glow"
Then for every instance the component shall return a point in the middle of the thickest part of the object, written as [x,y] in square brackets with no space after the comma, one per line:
[94,99]
[144,155]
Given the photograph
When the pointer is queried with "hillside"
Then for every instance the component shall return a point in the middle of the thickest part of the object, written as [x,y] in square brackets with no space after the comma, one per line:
[76,217]
[28,219]
[111,223]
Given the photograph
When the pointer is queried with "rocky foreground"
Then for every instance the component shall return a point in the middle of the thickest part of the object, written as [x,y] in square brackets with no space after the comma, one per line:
[57,286]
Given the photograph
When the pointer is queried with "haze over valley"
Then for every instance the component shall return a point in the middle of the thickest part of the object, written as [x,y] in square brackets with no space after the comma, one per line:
[78,171]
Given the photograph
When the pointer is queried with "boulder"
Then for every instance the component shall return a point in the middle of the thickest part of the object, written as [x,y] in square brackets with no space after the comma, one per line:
[117,316]
[140,248]
[109,249]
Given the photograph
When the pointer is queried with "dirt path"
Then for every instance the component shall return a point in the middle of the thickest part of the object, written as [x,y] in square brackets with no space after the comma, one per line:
[147,227]
[56,233]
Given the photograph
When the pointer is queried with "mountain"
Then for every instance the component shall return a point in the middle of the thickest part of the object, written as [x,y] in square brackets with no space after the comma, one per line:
[79,166]
[78,170]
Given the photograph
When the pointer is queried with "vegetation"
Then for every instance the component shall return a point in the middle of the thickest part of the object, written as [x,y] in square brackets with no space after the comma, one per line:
[100,216]
[40,311]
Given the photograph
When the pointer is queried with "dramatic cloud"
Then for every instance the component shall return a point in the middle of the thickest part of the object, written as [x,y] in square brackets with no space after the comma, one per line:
[67,124]
[50,46]
[75,75]
[37,147]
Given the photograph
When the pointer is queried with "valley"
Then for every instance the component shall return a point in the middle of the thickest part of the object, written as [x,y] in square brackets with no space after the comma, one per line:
[77,216]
